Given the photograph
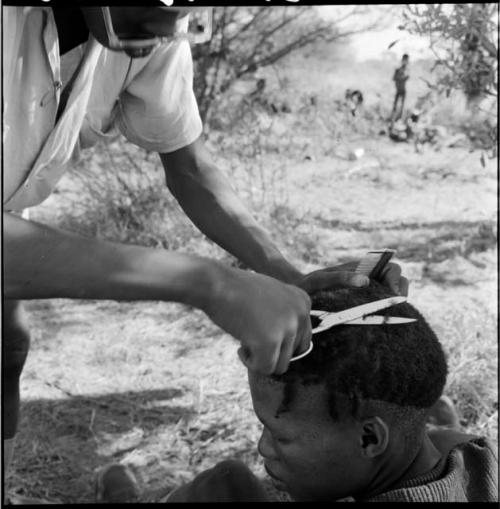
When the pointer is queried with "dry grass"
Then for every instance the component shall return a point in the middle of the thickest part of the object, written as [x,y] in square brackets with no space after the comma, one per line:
[157,386]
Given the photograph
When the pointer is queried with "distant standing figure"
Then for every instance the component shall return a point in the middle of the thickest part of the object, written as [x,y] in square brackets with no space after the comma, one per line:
[353,99]
[400,77]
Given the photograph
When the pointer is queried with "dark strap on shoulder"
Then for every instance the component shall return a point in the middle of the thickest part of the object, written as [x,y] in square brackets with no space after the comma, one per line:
[71,28]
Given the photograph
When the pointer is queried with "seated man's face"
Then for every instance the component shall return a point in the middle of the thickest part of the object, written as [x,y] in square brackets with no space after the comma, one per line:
[305,452]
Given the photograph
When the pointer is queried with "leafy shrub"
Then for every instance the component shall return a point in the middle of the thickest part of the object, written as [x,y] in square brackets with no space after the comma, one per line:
[117,192]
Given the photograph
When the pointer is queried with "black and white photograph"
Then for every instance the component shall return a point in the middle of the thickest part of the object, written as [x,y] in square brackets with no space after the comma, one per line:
[249,252]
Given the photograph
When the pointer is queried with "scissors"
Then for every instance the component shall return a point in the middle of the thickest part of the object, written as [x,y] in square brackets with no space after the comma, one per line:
[357,315]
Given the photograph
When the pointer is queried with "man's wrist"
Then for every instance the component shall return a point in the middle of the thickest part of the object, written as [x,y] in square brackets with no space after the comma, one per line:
[200,283]
[284,271]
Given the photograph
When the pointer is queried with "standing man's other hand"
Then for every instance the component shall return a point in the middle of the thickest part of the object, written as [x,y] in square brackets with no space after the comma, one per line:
[333,278]
[392,278]
[343,276]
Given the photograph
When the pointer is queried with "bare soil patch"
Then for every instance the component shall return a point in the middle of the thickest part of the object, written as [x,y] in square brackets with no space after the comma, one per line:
[157,386]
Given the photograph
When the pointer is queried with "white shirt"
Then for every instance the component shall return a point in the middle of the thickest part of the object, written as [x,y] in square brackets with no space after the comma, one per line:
[150,100]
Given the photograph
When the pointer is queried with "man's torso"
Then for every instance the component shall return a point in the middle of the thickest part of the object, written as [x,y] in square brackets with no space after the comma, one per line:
[152,98]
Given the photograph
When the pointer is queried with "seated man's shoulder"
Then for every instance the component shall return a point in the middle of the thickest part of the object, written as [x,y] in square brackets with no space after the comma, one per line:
[475,453]
[471,465]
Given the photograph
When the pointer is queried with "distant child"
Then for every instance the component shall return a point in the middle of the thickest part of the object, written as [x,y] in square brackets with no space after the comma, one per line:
[400,78]
[352,420]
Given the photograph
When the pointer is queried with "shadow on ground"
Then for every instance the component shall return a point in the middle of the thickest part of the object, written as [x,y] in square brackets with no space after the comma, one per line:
[71,438]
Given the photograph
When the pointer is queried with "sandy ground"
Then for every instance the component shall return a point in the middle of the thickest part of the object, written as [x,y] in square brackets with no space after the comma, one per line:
[157,386]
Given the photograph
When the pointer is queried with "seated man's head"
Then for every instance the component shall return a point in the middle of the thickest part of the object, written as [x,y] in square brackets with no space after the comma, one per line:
[349,418]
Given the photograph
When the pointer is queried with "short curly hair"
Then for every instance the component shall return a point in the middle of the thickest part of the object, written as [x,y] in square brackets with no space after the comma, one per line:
[398,364]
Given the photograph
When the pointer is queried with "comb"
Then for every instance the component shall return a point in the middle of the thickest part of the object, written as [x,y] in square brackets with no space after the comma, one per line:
[373,263]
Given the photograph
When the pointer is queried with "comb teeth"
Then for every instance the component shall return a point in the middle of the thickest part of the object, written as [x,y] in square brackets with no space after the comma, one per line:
[367,264]
[373,262]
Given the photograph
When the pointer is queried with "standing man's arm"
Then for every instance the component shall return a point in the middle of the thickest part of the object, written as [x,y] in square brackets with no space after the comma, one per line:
[270,319]
[42,262]
[208,199]
[210,202]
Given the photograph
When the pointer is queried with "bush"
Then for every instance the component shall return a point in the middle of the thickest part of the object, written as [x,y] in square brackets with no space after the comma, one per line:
[117,192]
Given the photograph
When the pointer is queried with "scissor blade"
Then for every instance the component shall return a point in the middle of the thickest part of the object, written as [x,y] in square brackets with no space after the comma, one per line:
[379,320]
[336,318]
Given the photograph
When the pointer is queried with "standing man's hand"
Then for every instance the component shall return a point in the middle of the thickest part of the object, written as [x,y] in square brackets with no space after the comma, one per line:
[270,318]
[343,276]
[392,278]
[332,278]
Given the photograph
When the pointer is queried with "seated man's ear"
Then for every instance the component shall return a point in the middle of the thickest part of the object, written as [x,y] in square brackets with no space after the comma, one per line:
[374,437]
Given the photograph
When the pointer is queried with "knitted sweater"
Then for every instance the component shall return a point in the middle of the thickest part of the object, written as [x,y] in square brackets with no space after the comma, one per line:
[467,472]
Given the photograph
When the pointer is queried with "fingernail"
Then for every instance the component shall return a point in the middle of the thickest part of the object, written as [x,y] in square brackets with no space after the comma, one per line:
[360,280]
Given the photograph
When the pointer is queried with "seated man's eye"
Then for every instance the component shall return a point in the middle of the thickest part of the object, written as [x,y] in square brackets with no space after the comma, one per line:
[281,440]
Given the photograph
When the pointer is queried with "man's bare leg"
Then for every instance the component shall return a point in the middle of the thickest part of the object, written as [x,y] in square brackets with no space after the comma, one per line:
[15,346]
[8,450]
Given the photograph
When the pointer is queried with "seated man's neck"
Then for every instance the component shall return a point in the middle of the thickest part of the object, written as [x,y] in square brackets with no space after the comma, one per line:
[426,459]
[393,473]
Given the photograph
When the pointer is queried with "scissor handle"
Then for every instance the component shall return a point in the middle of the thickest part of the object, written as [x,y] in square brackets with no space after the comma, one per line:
[313,312]
[303,354]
